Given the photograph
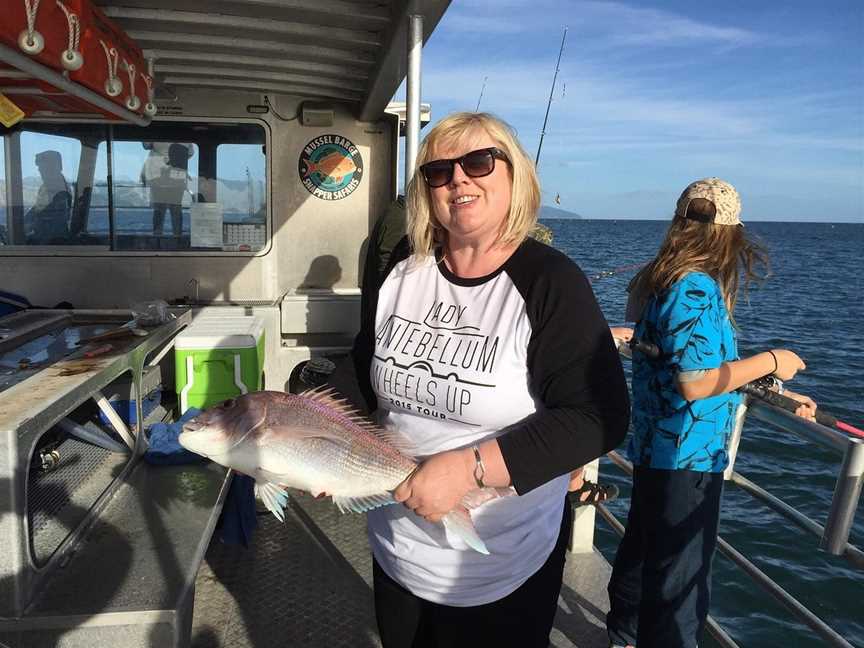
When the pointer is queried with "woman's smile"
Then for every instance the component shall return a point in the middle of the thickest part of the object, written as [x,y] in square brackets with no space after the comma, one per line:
[463,200]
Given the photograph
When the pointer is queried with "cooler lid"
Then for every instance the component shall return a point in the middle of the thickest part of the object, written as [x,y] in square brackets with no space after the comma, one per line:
[221,333]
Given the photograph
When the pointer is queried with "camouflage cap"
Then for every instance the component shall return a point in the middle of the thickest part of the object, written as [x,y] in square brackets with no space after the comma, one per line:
[721,194]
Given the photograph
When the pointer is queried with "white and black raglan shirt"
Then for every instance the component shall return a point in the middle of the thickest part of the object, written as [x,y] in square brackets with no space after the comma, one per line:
[523,354]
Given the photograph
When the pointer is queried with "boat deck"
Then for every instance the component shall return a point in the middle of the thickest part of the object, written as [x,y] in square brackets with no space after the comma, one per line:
[307,583]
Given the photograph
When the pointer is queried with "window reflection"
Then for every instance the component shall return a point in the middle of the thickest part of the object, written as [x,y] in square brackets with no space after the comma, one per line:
[172,186]
[41,192]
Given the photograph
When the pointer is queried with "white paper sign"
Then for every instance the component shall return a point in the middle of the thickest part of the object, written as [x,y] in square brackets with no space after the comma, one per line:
[206,225]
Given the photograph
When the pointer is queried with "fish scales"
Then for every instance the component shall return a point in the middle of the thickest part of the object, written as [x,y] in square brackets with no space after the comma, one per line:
[367,455]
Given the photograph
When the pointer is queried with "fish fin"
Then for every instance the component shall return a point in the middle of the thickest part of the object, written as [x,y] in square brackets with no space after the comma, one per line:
[330,397]
[478,496]
[458,521]
[362,504]
[274,497]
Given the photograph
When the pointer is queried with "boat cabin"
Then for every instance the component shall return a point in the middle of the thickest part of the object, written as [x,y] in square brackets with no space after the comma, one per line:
[205,162]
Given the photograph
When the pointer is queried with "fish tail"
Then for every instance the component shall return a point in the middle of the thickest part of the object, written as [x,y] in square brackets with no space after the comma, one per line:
[274,497]
[458,521]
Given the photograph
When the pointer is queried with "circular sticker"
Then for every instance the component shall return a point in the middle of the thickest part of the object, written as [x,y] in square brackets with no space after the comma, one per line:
[330,167]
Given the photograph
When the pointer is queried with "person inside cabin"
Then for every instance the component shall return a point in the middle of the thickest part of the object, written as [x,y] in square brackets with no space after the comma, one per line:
[47,222]
[486,352]
[684,408]
[165,172]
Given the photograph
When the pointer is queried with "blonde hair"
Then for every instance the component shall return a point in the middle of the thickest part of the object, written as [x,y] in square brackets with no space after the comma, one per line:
[721,251]
[424,232]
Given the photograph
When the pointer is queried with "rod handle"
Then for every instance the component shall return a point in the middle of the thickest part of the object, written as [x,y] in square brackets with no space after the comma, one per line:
[646,348]
[786,403]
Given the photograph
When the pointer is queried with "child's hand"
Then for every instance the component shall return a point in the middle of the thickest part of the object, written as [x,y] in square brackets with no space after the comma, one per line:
[807,409]
[621,333]
[788,364]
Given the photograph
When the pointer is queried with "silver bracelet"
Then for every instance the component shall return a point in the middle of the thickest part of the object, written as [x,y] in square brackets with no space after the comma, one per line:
[479,468]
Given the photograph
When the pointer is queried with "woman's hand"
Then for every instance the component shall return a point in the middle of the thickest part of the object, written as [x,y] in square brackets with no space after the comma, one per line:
[788,364]
[439,484]
[807,408]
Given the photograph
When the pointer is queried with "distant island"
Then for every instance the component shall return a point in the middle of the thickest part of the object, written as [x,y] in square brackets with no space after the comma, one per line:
[553,212]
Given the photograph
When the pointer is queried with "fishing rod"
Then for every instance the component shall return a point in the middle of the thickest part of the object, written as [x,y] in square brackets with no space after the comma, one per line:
[761,391]
[480,98]
[549,103]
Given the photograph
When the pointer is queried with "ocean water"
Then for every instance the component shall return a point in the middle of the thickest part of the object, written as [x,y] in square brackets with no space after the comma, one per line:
[812,303]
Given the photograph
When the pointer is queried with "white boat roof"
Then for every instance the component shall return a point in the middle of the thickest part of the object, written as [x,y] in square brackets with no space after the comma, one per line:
[352,51]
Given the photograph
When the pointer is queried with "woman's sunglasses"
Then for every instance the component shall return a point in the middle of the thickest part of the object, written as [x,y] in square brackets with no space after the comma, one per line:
[475,164]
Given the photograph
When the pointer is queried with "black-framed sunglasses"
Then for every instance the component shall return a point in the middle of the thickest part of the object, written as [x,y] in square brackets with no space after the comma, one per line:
[475,164]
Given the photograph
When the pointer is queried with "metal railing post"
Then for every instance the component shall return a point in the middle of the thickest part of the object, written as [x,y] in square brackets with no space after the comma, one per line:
[735,437]
[845,500]
[412,106]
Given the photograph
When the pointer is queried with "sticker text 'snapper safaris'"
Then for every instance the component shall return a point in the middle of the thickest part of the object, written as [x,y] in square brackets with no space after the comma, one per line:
[330,167]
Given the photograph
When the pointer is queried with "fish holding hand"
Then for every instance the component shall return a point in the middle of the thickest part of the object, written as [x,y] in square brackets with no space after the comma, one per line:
[316,443]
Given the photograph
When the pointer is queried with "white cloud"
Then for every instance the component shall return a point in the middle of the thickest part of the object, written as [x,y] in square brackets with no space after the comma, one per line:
[639,26]
[610,108]
[595,97]
[614,23]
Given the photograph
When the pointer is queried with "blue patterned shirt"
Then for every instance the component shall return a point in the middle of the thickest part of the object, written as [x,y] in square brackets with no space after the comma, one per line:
[690,325]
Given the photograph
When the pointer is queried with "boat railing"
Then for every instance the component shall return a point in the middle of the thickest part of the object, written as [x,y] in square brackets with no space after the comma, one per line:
[833,536]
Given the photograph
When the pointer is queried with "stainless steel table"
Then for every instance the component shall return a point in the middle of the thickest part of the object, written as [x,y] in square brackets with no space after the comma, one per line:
[32,406]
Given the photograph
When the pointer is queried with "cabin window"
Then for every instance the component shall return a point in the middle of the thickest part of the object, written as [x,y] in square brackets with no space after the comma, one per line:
[40,172]
[172,187]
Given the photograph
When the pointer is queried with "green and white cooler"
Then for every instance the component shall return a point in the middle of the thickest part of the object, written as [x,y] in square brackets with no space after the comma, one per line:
[217,358]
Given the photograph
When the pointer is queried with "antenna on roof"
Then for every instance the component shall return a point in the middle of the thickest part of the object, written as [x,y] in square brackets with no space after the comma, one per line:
[477,109]
[549,103]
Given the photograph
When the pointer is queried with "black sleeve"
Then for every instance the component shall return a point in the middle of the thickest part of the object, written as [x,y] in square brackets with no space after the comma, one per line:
[351,376]
[574,369]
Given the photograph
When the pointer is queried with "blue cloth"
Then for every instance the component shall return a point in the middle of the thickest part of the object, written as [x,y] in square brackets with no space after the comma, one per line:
[238,520]
[12,303]
[164,448]
[691,326]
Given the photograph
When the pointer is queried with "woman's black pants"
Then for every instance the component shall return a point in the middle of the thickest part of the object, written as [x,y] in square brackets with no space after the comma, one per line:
[522,619]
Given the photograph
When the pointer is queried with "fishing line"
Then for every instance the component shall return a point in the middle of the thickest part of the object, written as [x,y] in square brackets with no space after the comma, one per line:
[614,271]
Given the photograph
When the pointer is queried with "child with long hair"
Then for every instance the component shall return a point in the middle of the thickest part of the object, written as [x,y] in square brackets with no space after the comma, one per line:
[684,405]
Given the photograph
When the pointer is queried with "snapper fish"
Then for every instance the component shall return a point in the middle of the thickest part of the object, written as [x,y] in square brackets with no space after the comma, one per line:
[334,165]
[318,443]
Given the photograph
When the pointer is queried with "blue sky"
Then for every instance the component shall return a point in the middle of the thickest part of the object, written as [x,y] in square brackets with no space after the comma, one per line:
[650,96]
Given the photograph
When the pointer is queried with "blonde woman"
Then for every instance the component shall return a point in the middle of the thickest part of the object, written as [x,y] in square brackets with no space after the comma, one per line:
[486,351]
[683,410]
